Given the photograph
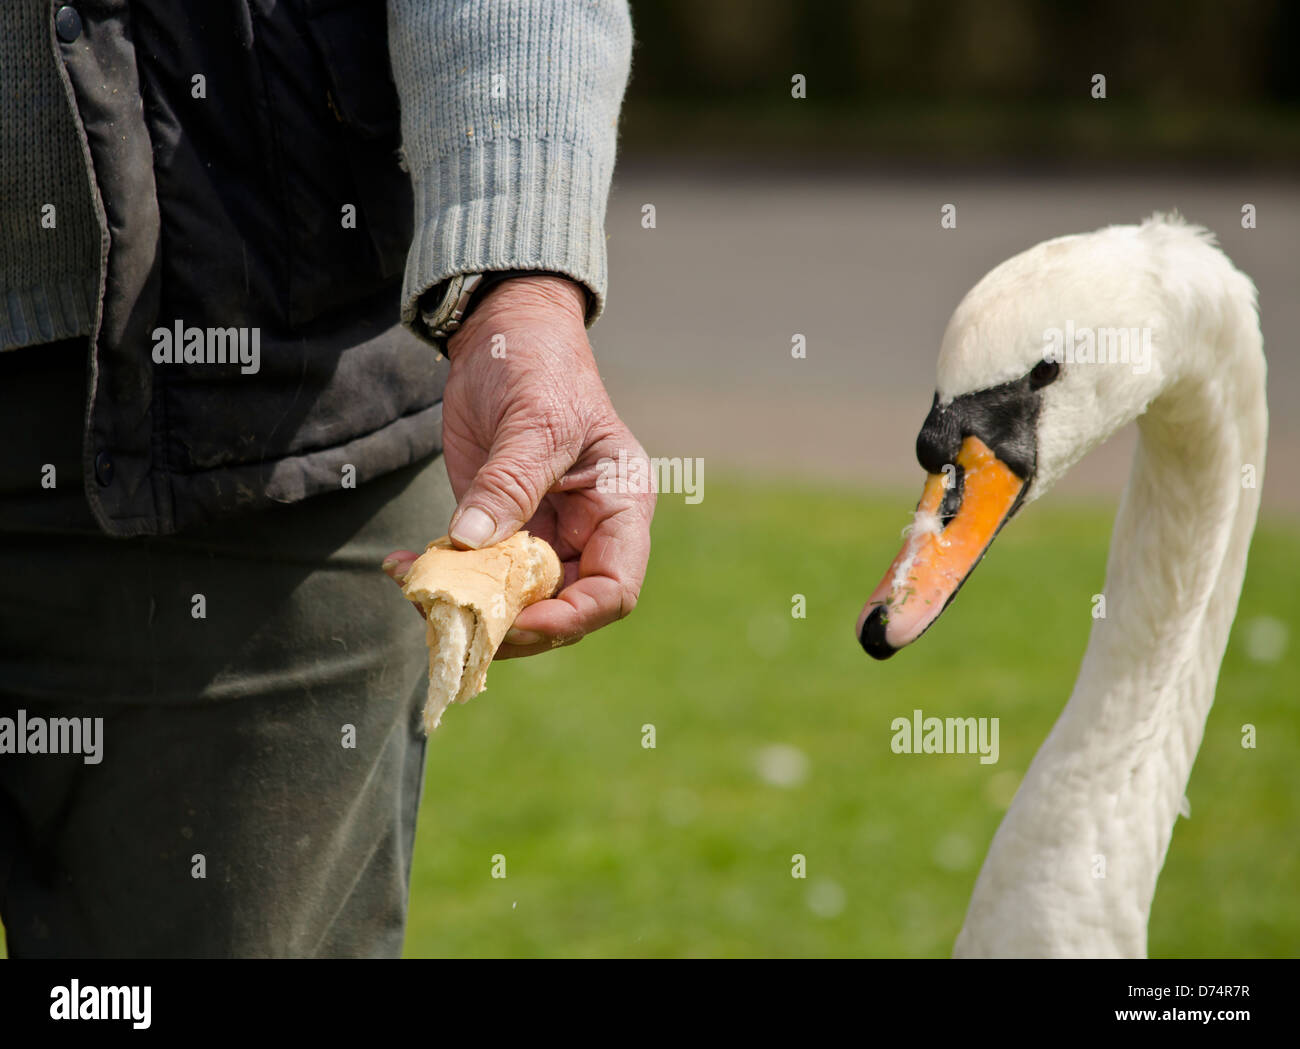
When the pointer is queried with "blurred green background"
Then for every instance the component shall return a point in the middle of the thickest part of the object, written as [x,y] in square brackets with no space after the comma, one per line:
[773,739]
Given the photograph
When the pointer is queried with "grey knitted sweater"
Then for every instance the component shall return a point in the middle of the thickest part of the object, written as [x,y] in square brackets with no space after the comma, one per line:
[49,231]
[509,114]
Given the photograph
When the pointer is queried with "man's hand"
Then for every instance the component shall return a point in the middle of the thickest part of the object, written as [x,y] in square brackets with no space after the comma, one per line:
[524,433]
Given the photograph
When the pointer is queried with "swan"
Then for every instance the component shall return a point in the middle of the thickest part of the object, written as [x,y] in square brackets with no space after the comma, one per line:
[1072,868]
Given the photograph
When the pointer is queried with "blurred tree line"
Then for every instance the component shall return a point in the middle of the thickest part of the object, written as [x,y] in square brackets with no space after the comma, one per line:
[970,79]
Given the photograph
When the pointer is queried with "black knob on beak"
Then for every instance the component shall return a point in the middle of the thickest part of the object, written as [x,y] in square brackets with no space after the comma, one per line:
[939,440]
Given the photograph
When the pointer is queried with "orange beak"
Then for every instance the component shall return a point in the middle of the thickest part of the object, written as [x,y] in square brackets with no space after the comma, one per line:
[939,554]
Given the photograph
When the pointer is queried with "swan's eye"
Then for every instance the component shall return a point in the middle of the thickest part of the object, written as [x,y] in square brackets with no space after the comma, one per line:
[1044,372]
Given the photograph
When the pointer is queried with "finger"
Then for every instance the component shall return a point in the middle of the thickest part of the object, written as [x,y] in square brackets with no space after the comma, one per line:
[618,549]
[509,651]
[506,491]
[612,570]
[564,620]
[567,618]
[398,564]
[587,605]
[586,477]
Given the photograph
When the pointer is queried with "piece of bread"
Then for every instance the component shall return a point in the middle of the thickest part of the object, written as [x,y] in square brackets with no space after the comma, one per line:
[470,599]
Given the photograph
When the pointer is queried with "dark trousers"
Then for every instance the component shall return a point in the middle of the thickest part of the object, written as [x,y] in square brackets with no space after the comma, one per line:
[260,683]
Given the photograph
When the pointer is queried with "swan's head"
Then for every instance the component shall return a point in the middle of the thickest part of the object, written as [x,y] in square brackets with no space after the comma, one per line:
[1047,356]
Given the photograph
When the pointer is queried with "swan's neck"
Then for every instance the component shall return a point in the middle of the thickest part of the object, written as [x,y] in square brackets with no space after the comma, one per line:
[1073,867]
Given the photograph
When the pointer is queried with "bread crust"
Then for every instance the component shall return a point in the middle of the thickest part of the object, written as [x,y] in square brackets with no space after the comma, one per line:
[470,599]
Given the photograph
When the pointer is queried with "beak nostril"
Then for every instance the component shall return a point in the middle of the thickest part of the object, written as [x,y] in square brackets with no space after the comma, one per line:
[952,494]
[872,637]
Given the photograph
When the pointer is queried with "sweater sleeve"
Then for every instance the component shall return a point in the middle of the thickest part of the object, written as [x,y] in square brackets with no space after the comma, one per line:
[509,123]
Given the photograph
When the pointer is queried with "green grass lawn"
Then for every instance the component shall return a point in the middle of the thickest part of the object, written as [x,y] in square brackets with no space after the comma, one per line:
[685,849]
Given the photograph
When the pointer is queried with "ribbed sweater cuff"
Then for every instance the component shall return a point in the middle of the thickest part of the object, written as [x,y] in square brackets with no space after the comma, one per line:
[509,204]
[62,308]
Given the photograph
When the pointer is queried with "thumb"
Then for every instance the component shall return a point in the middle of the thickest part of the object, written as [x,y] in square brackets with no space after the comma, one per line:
[505,493]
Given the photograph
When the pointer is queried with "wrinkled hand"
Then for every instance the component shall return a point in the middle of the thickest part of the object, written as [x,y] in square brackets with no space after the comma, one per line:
[524,433]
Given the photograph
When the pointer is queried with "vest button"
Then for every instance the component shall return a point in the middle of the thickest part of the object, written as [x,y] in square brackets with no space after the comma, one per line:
[104,469]
[67,23]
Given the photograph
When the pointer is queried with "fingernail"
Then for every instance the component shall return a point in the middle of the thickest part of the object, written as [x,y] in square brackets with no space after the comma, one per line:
[522,637]
[390,563]
[473,528]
